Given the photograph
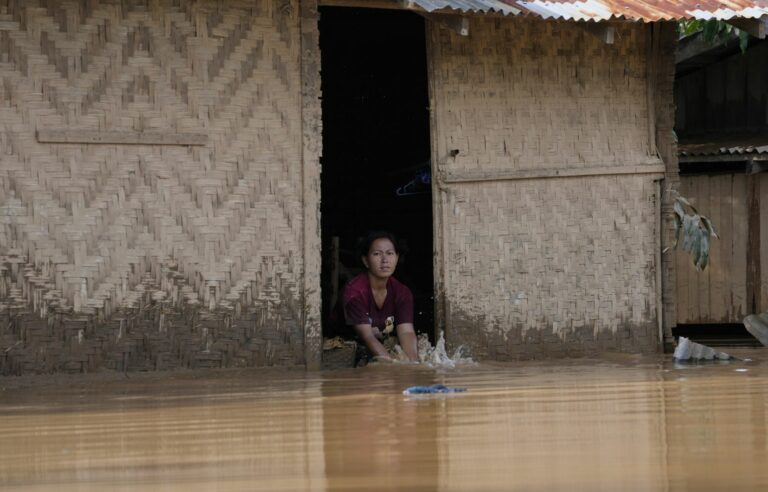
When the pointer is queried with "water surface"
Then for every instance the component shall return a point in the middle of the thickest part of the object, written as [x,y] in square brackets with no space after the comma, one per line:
[614,423]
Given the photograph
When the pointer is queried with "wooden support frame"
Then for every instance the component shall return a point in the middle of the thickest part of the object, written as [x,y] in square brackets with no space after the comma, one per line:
[652,167]
[120,137]
[754,27]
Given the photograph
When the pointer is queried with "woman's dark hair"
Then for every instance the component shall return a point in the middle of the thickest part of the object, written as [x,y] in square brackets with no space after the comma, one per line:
[364,244]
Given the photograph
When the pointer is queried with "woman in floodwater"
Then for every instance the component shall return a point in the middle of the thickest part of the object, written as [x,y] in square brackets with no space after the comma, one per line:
[375,304]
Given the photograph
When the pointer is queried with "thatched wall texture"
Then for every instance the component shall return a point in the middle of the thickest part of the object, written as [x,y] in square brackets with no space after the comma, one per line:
[135,256]
[545,147]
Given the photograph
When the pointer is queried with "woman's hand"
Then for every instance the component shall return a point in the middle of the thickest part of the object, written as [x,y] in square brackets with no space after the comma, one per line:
[406,335]
[368,336]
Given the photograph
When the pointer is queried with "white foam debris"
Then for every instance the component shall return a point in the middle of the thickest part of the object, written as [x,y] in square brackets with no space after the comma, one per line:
[436,356]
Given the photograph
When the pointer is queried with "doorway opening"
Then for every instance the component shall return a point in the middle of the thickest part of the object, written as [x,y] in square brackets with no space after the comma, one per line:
[376,149]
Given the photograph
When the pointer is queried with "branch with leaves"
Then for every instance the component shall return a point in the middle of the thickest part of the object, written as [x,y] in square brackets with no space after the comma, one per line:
[696,229]
[713,31]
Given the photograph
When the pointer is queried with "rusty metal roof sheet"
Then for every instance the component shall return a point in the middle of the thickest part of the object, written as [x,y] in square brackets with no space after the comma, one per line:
[602,10]
[644,10]
[724,145]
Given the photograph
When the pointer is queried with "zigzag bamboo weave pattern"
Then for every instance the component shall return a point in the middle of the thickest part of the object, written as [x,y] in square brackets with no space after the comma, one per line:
[135,256]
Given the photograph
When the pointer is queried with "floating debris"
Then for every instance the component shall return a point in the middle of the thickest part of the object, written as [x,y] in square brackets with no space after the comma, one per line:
[688,350]
[757,326]
[435,388]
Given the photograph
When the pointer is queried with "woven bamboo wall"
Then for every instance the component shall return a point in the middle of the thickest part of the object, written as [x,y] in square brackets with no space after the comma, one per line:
[150,256]
[536,264]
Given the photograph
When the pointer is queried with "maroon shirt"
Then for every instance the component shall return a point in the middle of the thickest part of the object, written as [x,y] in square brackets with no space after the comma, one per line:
[360,308]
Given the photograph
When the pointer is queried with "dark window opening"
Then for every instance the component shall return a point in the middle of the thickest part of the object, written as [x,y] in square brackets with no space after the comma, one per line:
[376,148]
[717,334]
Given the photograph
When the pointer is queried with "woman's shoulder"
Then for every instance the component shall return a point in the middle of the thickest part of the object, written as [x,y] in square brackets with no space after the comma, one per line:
[357,284]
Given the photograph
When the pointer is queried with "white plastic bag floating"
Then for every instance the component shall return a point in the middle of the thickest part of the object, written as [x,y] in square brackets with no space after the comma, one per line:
[688,350]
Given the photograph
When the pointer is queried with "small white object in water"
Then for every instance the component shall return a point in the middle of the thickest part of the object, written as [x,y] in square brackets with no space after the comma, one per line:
[687,349]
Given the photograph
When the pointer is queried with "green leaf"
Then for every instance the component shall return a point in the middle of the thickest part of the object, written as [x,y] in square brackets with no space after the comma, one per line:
[743,41]
[711,29]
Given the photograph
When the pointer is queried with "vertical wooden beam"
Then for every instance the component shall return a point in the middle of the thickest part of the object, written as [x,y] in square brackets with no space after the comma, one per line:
[753,244]
[662,39]
[311,127]
[438,193]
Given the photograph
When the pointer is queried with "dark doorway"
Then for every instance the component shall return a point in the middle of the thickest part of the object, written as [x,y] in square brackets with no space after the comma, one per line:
[376,147]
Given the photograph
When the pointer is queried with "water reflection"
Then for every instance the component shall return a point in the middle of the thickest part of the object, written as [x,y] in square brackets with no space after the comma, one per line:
[615,423]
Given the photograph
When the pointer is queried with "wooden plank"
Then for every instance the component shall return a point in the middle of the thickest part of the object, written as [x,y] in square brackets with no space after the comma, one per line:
[704,205]
[725,231]
[654,166]
[120,137]
[693,291]
[753,244]
[763,244]
[682,265]
[718,187]
[755,27]
[739,254]
[735,158]
[681,274]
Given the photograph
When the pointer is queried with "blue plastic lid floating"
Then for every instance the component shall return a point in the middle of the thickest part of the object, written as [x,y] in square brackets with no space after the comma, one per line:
[434,389]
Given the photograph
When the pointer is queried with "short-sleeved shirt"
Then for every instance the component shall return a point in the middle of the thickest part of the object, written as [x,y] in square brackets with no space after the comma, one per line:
[360,307]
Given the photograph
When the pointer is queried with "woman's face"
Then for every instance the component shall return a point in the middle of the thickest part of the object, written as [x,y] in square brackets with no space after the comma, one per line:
[381,259]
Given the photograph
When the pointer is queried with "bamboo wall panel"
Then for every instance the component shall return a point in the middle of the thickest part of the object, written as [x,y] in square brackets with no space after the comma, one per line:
[545,266]
[136,256]
[719,293]
[524,94]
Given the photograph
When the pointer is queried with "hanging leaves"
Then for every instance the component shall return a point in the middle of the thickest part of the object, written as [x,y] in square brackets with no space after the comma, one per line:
[697,231]
[713,31]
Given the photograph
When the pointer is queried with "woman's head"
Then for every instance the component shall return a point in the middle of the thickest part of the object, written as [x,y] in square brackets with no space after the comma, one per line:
[379,253]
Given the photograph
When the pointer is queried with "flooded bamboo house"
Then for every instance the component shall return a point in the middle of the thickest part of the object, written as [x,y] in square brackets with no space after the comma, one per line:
[162,203]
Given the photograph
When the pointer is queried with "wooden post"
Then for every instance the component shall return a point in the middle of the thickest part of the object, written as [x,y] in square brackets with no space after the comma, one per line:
[438,193]
[311,122]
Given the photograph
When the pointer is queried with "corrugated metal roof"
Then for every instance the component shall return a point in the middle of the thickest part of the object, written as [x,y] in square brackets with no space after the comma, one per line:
[468,6]
[601,10]
[644,10]
[724,145]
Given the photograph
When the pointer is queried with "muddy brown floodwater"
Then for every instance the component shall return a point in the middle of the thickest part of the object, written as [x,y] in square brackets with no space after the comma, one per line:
[612,423]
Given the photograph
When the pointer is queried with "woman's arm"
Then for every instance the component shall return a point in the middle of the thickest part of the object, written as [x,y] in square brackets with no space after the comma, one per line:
[406,335]
[365,333]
